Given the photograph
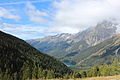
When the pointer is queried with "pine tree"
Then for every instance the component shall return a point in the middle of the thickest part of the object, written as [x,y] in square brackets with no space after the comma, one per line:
[77,75]
[50,74]
[83,73]
[95,71]
[40,73]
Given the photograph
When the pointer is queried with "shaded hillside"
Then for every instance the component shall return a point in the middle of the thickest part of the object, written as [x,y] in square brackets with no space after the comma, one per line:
[18,60]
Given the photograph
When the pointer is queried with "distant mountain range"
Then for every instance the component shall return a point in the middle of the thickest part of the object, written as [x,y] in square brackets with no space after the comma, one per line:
[62,44]
[20,61]
[79,48]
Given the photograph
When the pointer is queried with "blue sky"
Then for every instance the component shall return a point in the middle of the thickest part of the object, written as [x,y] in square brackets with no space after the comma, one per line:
[26,19]
[29,19]
[20,8]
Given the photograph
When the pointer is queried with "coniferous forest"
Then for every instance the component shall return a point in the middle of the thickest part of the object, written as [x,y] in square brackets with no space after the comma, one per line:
[20,61]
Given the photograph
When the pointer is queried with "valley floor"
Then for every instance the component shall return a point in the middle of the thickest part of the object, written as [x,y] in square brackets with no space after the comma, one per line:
[93,78]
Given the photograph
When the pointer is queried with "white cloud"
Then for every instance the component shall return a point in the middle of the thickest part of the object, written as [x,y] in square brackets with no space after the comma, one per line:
[36,15]
[64,29]
[81,14]
[6,13]
[25,31]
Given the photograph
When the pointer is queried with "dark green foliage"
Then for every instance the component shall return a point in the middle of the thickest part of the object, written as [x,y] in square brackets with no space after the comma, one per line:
[83,74]
[95,71]
[20,61]
[77,75]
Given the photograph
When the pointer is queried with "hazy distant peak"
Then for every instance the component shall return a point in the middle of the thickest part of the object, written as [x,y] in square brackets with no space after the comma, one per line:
[118,29]
[106,24]
[62,35]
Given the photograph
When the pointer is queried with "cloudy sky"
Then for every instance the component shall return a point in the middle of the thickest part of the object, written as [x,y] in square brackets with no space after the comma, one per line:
[29,19]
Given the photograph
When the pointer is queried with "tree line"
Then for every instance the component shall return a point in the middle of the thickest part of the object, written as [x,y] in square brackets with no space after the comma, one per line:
[102,70]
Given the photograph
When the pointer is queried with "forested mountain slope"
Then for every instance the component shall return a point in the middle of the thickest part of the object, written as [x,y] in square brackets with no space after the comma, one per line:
[20,61]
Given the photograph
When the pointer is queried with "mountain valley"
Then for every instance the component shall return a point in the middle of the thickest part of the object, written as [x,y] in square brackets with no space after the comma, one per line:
[78,49]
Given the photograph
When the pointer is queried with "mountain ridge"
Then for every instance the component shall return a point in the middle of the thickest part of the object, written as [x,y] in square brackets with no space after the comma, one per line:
[76,42]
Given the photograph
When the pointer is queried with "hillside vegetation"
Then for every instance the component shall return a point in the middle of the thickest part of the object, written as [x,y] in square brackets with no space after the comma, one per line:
[20,61]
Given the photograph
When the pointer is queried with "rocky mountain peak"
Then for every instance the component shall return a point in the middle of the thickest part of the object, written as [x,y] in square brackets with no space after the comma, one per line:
[100,32]
[106,25]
